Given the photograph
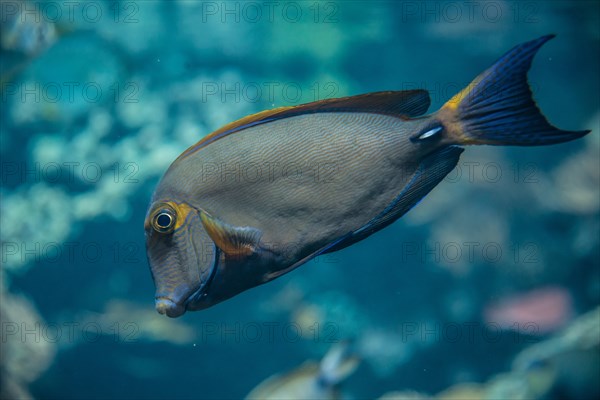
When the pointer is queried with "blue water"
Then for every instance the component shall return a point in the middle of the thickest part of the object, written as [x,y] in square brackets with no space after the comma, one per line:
[94,113]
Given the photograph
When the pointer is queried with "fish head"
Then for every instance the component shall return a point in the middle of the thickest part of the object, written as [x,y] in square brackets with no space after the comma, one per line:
[182,257]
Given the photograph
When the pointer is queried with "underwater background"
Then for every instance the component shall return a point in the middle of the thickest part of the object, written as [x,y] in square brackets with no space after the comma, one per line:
[99,97]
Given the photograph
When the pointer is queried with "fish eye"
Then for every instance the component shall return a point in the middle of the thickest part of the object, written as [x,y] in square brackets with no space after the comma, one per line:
[164,221]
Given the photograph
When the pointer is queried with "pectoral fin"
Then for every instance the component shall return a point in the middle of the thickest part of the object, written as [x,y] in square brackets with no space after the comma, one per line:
[322,250]
[234,241]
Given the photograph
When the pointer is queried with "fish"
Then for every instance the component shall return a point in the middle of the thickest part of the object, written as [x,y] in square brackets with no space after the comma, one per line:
[25,33]
[537,312]
[566,365]
[263,195]
[310,380]
[25,29]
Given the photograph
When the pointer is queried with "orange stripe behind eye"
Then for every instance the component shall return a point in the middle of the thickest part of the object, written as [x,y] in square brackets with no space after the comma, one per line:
[183,210]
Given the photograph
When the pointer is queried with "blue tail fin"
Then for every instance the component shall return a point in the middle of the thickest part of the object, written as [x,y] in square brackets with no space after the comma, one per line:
[498,108]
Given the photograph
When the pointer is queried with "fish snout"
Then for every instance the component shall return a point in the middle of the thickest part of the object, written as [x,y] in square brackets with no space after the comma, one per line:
[167,306]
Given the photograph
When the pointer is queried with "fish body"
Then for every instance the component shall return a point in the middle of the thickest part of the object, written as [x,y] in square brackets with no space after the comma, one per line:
[263,195]
[302,383]
[25,33]
[310,381]
[25,28]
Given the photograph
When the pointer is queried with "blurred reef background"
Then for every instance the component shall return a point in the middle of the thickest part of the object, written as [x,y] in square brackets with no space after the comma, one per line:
[99,97]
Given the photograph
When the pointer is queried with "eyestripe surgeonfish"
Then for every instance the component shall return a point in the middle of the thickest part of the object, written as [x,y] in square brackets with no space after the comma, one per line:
[364,161]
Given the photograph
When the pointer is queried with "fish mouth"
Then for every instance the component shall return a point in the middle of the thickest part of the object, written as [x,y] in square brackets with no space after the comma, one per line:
[173,309]
[168,307]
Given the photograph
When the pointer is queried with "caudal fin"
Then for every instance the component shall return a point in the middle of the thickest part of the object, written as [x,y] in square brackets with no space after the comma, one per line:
[497,108]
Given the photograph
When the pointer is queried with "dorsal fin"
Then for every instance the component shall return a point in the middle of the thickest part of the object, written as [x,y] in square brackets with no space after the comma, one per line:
[408,103]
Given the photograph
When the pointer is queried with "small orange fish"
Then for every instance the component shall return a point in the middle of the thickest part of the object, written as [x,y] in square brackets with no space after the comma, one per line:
[209,239]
